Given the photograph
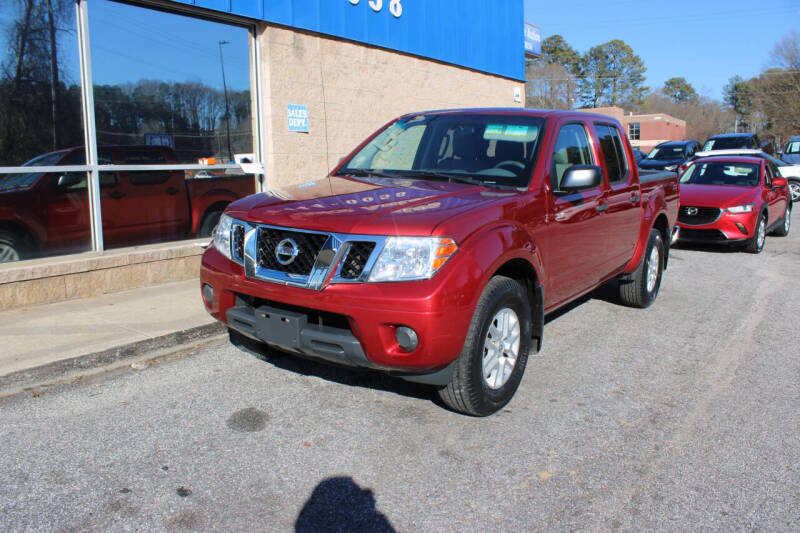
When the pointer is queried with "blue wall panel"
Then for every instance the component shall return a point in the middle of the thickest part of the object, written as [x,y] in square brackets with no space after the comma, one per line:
[485,35]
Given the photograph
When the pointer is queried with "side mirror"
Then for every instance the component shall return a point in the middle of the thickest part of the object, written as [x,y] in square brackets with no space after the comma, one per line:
[580,177]
[779,182]
[69,179]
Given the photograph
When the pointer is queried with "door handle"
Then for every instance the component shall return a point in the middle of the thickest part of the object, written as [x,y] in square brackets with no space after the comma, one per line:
[602,207]
[172,190]
[117,195]
[634,198]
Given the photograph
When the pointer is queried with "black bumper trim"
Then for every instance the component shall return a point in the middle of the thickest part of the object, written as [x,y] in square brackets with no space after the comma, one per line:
[291,332]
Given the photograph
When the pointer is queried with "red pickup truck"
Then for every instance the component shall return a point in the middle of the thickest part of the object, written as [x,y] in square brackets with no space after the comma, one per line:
[435,249]
[48,213]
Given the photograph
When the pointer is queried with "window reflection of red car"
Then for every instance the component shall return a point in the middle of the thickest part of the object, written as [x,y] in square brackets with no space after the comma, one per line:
[733,200]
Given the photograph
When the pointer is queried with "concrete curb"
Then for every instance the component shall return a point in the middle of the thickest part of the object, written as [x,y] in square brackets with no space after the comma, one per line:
[61,370]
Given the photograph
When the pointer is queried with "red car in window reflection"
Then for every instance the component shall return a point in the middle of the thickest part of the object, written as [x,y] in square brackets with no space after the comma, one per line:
[733,200]
[45,213]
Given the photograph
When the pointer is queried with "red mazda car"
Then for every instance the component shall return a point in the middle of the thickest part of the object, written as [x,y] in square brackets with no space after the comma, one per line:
[736,200]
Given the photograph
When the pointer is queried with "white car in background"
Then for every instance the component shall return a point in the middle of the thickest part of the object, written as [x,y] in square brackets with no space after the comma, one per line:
[786,170]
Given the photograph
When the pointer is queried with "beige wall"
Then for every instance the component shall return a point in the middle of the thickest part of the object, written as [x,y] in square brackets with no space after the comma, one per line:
[351,90]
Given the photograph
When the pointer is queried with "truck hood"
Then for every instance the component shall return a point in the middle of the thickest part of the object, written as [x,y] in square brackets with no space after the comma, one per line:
[367,206]
[717,195]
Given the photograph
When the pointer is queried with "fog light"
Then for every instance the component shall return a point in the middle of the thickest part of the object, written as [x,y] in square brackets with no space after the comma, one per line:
[741,228]
[208,295]
[406,338]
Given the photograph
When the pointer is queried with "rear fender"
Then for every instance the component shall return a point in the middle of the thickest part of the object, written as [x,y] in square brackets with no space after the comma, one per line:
[652,206]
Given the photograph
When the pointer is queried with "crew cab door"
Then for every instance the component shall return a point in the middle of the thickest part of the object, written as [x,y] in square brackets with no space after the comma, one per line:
[153,202]
[577,232]
[773,197]
[624,198]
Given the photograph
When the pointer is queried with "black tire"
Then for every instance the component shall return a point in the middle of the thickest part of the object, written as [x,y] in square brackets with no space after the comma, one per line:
[468,391]
[638,289]
[786,223]
[210,221]
[11,248]
[756,243]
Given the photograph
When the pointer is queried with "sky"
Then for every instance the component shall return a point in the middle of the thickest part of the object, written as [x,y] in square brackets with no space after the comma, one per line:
[705,42]
[129,42]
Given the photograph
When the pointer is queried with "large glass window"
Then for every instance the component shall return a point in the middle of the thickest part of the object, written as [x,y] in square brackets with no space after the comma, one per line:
[40,128]
[168,90]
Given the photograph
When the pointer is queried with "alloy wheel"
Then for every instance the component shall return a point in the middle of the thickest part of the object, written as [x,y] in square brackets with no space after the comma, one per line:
[501,348]
[653,262]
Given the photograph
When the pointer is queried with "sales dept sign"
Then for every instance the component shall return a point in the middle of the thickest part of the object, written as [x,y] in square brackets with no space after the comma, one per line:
[298,117]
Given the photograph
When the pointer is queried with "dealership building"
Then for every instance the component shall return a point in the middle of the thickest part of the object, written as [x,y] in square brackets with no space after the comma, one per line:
[128,95]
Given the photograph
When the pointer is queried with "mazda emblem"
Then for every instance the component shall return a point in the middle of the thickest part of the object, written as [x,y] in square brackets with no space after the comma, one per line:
[691,211]
[286,251]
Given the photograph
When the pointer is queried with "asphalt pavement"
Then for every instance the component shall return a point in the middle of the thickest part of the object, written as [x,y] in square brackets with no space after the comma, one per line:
[683,416]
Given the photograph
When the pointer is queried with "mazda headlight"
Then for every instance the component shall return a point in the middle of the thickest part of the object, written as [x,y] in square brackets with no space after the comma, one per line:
[222,236]
[746,208]
[412,258]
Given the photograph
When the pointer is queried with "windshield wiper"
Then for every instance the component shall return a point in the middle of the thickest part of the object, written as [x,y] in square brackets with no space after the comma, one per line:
[444,176]
[365,173]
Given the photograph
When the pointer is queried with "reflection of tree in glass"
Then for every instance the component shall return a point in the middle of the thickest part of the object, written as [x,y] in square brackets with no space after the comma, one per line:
[192,112]
[38,111]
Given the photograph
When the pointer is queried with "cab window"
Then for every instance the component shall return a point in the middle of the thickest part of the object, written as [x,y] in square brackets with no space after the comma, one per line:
[572,148]
[613,153]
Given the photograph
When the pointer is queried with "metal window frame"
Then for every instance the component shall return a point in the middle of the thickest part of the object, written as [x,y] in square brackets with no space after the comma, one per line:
[92,166]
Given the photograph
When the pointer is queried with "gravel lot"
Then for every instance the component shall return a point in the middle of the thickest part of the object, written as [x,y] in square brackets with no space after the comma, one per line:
[684,416]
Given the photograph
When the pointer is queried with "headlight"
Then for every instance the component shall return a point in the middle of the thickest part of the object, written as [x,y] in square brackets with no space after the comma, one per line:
[671,167]
[747,208]
[410,258]
[222,236]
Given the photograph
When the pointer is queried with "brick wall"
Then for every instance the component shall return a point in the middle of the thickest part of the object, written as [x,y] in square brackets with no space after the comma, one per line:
[350,90]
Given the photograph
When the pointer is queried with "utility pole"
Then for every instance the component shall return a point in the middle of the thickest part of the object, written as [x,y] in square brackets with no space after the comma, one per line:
[225,89]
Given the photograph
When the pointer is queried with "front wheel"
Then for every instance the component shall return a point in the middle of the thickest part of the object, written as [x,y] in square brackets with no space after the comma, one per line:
[490,367]
[794,190]
[756,244]
[640,288]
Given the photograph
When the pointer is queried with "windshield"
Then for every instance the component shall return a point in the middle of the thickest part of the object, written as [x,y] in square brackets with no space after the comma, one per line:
[23,180]
[722,173]
[792,148]
[493,150]
[727,143]
[666,153]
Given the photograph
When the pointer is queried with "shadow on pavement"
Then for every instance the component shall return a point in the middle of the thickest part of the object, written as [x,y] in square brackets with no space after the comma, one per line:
[354,377]
[339,504]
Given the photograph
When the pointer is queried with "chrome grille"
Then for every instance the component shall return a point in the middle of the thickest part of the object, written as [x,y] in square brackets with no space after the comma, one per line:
[308,248]
[356,259]
[238,242]
[698,216]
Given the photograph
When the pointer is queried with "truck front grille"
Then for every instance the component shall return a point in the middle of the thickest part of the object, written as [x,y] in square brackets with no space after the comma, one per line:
[698,216]
[356,259]
[238,242]
[307,245]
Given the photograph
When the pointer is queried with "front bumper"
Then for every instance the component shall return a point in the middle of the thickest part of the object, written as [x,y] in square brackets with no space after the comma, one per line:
[728,229]
[351,324]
